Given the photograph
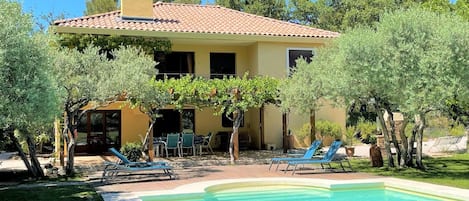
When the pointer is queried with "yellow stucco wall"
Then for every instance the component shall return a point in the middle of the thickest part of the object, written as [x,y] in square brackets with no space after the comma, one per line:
[255,58]
[272,60]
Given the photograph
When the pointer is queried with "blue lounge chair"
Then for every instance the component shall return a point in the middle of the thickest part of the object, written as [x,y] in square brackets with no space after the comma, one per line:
[307,155]
[112,169]
[326,159]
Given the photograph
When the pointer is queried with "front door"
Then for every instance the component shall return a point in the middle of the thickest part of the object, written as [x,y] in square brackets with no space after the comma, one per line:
[102,131]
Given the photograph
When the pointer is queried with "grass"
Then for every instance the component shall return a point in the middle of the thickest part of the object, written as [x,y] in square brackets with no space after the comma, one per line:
[34,191]
[450,171]
[69,193]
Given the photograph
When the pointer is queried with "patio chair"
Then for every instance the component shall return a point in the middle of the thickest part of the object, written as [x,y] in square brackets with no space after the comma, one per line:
[206,144]
[112,169]
[188,142]
[307,155]
[172,142]
[328,158]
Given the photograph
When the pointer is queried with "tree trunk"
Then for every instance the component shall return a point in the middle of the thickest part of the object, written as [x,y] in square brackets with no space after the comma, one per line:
[312,123]
[392,126]
[234,142]
[69,132]
[410,157]
[419,138]
[285,133]
[32,155]
[148,141]
[387,146]
[404,145]
[69,168]
[21,153]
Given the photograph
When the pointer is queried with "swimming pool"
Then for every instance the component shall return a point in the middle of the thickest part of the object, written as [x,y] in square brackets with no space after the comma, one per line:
[294,190]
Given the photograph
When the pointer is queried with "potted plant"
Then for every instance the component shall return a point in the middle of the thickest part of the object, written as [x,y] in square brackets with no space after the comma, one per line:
[350,132]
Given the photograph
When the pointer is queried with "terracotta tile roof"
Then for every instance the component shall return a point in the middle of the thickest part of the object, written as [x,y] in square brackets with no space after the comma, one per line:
[190,18]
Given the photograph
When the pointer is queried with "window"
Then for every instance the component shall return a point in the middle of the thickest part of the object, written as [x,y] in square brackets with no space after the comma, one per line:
[222,64]
[174,121]
[294,54]
[174,64]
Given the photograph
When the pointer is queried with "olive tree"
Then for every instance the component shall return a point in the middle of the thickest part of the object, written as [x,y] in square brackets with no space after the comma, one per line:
[27,91]
[89,77]
[413,61]
[304,91]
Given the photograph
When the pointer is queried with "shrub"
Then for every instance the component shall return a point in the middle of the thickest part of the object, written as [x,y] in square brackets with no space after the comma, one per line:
[132,150]
[303,131]
[328,128]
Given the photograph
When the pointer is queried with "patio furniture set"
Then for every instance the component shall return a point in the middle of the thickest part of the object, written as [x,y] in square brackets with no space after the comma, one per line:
[179,142]
[176,142]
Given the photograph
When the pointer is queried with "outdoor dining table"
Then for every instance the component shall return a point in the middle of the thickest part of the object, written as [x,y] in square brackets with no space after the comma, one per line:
[159,143]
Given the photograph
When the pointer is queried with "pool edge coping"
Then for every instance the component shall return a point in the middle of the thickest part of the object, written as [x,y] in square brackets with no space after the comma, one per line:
[402,184]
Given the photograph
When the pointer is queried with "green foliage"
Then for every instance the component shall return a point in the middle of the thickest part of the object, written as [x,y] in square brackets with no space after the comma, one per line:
[439,6]
[89,75]
[457,130]
[328,128]
[303,91]
[27,90]
[366,128]
[461,8]
[100,6]
[382,66]
[225,95]
[303,132]
[339,15]
[132,150]
[268,8]
[349,134]
[113,42]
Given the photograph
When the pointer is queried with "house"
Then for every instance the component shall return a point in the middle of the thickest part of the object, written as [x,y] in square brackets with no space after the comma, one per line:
[207,40]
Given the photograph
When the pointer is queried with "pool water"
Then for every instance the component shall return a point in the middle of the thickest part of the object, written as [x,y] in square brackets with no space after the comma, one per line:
[291,193]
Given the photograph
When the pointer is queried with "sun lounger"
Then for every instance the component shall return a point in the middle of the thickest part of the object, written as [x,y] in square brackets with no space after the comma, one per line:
[326,159]
[307,155]
[112,169]
[446,143]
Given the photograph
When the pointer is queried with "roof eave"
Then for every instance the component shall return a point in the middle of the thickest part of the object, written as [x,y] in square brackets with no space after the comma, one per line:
[191,35]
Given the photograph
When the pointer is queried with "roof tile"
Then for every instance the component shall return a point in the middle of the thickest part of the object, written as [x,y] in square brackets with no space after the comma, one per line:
[191,18]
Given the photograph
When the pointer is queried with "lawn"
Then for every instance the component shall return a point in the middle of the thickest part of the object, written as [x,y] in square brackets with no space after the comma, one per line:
[69,193]
[448,171]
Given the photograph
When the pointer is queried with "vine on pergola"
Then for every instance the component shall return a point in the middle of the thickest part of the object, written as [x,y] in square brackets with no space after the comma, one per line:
[230,95]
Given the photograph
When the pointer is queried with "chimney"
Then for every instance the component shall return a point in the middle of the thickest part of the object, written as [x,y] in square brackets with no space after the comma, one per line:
[137,9]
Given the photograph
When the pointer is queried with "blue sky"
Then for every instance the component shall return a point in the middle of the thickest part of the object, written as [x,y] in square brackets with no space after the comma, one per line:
[70,8]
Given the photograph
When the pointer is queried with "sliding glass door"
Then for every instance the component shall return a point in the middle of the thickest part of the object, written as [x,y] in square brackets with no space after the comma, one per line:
[98,131]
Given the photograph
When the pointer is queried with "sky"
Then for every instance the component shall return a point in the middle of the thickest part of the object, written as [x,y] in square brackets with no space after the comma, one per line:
[70,8]
[67,8]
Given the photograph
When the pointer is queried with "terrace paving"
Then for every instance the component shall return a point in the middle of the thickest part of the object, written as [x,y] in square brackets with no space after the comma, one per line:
[193,169]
